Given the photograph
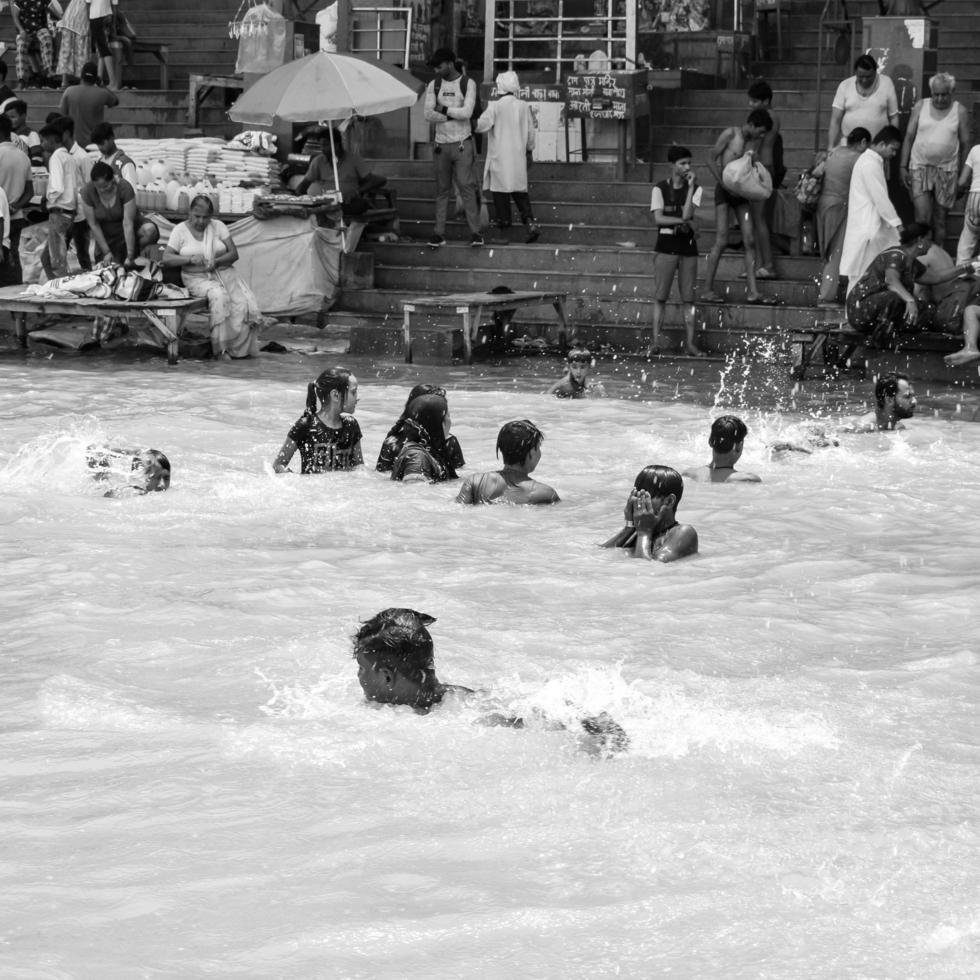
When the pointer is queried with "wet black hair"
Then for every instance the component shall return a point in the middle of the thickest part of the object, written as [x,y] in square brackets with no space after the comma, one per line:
[887,386]
[760,90]
[659,481]
[759,117]
[397,638]
[102,171]
[888,134]
[913,231]
[426,415]
[333,379]
[516,439]
[676,153]
[857,135]
[162,464]
[865,62]
[582,354]
[727,431]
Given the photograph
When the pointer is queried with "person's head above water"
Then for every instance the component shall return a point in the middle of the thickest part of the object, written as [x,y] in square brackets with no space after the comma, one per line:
[395,659]
[428,421]
[156,470]
[517,440]
[334,387]
[660,482]
[727,433]
[894,398]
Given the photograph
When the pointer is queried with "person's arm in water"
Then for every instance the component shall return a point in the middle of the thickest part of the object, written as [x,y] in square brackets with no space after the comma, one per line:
[281,463]
[466,495]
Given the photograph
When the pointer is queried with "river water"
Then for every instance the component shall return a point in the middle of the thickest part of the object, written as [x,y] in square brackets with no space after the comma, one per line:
[192,784]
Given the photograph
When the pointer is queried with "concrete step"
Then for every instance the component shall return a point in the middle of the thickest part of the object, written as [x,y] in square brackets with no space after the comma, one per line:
[794,157]
[632,194]
[587,259]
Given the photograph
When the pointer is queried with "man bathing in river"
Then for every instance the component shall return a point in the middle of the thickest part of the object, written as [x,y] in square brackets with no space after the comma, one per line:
[894,401]
[520,445]
[726,440]
[396,665]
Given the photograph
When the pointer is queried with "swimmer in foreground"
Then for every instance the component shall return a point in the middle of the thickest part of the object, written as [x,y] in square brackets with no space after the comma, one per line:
[396,665]
[651,527]
[575,383]
[327,438]
[728,434]
[520,445]
[149,468]
[894,401]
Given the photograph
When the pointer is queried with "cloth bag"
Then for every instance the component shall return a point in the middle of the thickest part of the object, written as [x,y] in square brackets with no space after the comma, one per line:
[747,178]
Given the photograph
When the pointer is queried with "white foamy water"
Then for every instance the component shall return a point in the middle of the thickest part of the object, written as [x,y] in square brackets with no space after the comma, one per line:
[192,784]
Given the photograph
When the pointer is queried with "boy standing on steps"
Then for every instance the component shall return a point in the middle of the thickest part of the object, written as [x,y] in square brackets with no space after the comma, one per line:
[732,144]
[673,203]
[769,152]
[450,99]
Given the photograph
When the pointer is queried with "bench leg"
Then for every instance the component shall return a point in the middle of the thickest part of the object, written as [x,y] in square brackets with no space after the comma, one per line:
[20,328]
[169,323]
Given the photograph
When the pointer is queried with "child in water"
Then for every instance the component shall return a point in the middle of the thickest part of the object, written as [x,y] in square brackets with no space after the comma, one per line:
[396,665]
[395,439]
[520,444]
[575,383]
[727,437]
[327,438]
[651,528]
[148,469]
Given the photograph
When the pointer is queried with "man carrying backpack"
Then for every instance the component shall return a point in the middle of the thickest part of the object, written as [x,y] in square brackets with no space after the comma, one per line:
[450,99]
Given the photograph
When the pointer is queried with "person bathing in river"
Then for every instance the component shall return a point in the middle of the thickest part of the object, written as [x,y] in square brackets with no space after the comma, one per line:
[651,527]
[520,445]
[396,665]
[894,401]
[328,437]
[426,454]
[395,439]
[148,469]
[575,383]
[727,437]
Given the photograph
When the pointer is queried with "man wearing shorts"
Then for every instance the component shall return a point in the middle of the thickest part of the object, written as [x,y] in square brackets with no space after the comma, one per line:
[673,203]
[100,17]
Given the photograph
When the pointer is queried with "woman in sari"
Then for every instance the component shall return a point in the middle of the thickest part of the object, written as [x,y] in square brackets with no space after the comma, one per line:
[204,251]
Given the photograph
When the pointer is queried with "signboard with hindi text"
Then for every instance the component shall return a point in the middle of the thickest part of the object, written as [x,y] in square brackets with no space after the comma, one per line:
[607,95]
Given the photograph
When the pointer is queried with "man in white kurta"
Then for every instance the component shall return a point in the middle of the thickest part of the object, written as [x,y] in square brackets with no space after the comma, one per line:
[872,221]
[510,123]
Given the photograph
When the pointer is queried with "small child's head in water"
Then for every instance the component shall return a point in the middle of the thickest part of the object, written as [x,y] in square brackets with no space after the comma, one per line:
[578,363]
[155,468]
[395,661]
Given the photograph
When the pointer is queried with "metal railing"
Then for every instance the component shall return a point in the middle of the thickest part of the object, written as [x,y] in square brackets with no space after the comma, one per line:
[385,21]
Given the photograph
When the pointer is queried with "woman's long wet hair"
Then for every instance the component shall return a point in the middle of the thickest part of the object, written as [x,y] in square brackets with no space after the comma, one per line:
[426,415]
[417,392]
[333,379]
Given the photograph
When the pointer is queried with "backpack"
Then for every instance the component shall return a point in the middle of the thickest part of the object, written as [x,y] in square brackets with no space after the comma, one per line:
[477,108]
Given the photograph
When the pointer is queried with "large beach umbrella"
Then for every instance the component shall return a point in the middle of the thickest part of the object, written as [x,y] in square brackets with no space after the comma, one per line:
[327,86]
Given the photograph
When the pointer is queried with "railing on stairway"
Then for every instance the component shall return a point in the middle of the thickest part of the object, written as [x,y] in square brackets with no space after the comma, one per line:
[835,23]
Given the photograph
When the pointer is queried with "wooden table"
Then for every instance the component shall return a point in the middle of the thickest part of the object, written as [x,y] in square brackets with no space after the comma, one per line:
[167,316]
[198,88]
[471,307]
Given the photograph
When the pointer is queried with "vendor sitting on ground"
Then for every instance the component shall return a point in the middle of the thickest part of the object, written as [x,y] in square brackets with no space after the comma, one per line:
[352,178]
[728,434]
[651,527]
[520,444]
[396,665]
[204,251]
[143,470]
[117,227]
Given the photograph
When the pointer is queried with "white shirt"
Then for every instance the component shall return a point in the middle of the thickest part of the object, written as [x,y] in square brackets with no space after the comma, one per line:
[100,8]
[326,20]
[973,162]
[455,126]
[5,215]
[63,182]
[872,222]
[872,111]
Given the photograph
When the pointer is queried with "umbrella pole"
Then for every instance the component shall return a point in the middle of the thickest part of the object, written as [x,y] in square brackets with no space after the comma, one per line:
[336,184]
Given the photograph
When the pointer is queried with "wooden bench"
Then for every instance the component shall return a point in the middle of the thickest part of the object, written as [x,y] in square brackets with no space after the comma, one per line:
[159,51]
[166,316]
[199,87]
[471,307]
[832,341]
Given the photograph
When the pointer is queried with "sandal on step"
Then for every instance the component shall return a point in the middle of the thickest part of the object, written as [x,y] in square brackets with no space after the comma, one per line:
[711,298]
[762,300]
